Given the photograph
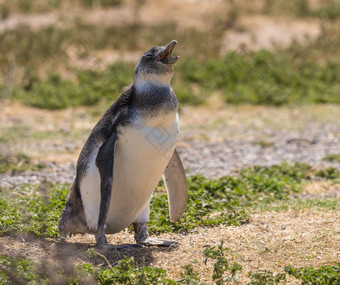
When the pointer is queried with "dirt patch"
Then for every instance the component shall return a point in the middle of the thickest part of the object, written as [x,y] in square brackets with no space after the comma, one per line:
[270,241]
[259,32]
[220,121]
[321,189]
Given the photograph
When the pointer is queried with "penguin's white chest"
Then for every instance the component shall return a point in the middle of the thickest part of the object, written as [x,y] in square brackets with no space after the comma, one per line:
[141,154]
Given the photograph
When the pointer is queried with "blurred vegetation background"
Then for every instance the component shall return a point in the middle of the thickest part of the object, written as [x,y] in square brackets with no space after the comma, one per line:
[57,54]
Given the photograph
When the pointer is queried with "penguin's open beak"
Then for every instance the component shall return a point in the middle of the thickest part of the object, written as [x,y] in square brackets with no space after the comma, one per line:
[164,55]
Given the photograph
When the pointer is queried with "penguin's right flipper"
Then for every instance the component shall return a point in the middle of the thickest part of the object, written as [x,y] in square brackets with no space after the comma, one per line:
[176,185]
[105,162]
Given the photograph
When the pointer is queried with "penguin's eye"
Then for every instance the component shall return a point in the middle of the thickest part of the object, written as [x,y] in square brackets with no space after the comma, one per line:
[148,55]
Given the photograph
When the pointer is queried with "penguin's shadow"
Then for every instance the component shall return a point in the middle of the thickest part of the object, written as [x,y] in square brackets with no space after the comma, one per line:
[143,256]
[66,255]
[51,256]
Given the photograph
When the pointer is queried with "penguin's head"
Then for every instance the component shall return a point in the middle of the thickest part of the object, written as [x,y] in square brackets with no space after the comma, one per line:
[156,66]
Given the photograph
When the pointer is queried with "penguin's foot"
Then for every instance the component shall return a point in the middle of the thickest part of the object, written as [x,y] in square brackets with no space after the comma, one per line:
[142,237]
[103,244]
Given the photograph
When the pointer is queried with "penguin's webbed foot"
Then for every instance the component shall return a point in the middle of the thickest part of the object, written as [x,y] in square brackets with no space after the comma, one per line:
[158,242]
[142,237]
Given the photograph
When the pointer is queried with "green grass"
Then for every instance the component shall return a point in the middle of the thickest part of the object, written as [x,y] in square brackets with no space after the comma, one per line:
[299,74]
[325,275]
[89,89]
[228,200]
[229,196]
[258,78]
[17,163]
[33,209]
[264,78]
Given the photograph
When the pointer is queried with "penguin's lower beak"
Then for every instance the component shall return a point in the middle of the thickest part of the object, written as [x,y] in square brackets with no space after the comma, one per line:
[164,55]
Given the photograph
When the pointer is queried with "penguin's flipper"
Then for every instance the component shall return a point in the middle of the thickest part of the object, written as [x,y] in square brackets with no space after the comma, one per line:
[104,162]
[176,186]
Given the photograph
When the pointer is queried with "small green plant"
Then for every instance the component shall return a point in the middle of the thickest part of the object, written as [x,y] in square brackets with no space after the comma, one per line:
[334,157]
[102,3]
[189,275]
[266,278]
[263,144]
[4,11]
[221,265]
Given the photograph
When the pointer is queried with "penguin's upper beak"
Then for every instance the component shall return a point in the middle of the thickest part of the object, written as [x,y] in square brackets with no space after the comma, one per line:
[164,55]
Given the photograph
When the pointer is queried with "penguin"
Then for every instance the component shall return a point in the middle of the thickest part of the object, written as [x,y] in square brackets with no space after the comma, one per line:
[131,147]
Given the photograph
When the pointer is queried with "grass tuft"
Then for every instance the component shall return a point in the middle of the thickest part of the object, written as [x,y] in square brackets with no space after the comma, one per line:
[328,173]
[334,157]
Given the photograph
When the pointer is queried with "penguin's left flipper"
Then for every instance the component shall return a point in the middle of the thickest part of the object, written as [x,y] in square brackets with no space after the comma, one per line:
[104,162]
[176,185]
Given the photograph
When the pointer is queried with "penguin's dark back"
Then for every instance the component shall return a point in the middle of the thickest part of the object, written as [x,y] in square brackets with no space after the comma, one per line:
[117,114]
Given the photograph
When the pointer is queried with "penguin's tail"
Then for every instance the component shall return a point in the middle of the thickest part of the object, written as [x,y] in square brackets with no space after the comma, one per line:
[72,220]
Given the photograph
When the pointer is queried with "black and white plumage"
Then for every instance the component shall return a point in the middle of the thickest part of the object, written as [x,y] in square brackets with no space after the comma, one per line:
[126,154]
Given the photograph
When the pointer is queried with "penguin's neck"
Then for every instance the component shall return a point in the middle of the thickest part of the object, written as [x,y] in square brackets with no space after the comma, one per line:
[154,96]
[150,80]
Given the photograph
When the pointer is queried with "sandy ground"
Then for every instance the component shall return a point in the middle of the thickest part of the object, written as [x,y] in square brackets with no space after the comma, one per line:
[216,122]
[215,140]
